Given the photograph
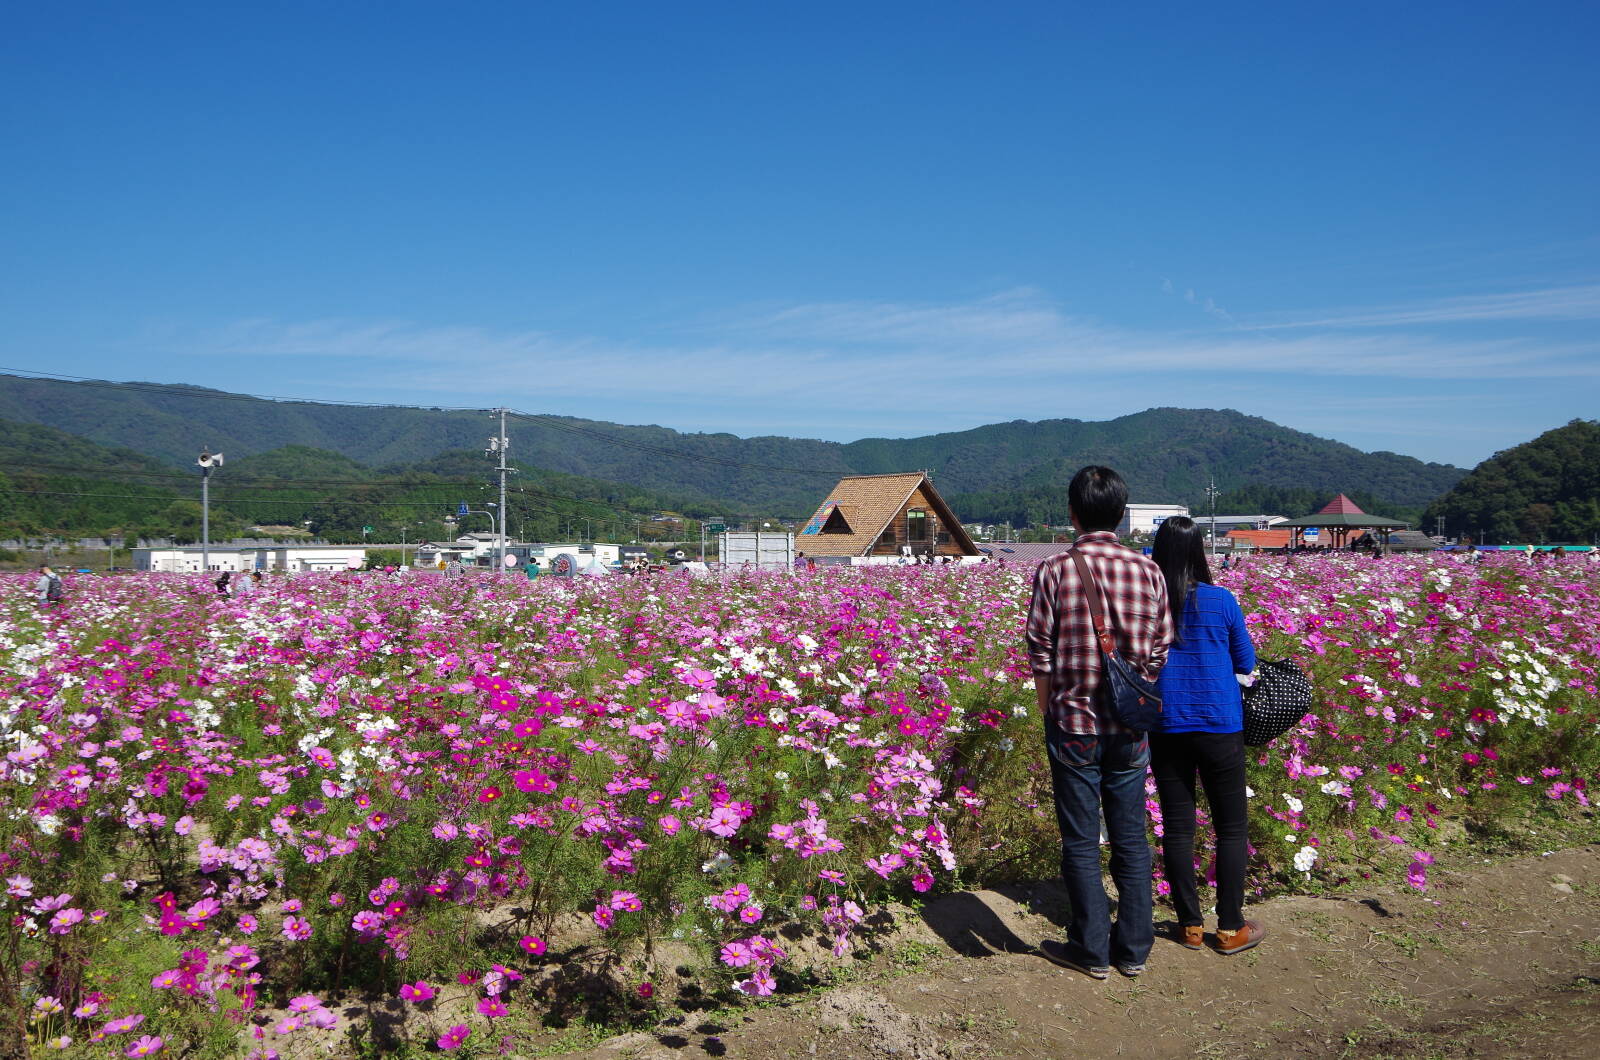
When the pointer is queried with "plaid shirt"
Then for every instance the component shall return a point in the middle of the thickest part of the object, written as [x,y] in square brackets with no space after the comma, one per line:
[1061,642]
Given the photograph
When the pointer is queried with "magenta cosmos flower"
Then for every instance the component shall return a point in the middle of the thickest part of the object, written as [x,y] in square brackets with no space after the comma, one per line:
[416,992]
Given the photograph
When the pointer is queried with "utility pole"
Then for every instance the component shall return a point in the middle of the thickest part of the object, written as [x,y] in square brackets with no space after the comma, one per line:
[207,461]
[1211,495]
[499,445]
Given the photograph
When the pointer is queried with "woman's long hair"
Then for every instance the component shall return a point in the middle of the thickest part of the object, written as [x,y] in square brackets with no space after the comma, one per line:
[1180,552]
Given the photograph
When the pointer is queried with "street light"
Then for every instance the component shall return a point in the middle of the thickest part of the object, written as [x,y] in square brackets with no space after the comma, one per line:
[494,525]
[207,461]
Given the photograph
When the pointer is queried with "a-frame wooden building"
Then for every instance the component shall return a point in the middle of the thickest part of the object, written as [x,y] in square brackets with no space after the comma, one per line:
[884,515]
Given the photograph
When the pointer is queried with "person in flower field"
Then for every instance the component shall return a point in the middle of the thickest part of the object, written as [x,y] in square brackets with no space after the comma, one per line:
[1095,763]
[1202,735]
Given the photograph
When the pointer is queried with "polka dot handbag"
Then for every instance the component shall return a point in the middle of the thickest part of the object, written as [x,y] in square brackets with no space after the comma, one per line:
[1280,697]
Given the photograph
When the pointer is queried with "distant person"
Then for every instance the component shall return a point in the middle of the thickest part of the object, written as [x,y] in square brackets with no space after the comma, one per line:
[49,587]
[247,584]
[224,589]
[1097,766]
[1202,736]
[532,569]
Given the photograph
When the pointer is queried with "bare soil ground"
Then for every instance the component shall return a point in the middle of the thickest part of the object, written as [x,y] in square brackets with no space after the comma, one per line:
[1495,960]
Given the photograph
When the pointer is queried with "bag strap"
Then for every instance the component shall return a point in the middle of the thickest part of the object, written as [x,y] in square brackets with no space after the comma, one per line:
[1097,611]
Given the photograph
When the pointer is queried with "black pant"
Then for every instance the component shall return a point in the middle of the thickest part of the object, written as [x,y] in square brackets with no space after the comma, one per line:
[1218,760]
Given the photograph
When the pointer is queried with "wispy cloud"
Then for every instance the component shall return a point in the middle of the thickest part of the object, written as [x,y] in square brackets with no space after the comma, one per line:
[846,369]
[1581,302]
[1015,334]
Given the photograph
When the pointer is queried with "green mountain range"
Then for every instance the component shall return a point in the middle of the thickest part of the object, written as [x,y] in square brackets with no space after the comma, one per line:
[1008,471]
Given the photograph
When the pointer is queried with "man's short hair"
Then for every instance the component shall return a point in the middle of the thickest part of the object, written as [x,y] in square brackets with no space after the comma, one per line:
[1098,497]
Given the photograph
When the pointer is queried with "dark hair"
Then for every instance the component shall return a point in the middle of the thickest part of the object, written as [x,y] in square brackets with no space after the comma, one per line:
[1180,551]
[1098,497]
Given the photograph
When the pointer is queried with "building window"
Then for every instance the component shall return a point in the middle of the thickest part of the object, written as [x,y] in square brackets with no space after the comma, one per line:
[916,525]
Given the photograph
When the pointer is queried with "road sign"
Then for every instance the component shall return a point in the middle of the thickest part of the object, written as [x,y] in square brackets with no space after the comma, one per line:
[366,529]
[1311,533]
[716,528]
[462,510]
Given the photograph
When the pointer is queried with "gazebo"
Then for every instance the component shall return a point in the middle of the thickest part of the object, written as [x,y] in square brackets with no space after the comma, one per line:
[1341,516]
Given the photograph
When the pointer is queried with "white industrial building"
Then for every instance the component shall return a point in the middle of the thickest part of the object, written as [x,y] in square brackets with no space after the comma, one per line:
[192,559]
[479,550]
[1144,518]
[1241,522]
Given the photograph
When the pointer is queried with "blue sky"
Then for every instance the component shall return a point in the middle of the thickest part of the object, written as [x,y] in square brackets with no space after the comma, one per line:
[1374,222]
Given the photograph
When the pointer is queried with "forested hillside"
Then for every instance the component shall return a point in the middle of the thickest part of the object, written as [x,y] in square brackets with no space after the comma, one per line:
[54,485]
[1547,489]
[1016,471]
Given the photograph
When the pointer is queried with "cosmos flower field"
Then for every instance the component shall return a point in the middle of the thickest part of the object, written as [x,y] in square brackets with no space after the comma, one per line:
[220,820]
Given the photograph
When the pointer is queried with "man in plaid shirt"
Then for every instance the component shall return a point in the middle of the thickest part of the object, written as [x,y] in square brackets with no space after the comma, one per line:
[1094,761]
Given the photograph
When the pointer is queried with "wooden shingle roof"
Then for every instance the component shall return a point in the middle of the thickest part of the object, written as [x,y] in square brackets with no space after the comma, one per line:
[868,504]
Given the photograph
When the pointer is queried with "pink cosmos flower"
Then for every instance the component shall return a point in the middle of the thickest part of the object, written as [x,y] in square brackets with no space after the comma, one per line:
[723,822]
[701,680]
[736,955]
[452,1038]
[492,1007]
[532,781]
[760,984]
[65,920]
[416,992]
[533,944]
[146,1045]
[297,928]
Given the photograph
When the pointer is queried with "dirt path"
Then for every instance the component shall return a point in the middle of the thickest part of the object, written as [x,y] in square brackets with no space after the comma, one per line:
[1496,960]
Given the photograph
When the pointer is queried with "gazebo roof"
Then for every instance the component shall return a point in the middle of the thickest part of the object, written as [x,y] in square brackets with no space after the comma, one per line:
[1342,511]
[1340,505]
[1360,520]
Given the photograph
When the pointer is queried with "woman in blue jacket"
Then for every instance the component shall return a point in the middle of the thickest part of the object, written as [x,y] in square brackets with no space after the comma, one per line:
[1202,736]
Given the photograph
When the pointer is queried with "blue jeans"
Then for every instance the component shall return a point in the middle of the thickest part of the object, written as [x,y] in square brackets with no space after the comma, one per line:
[1090,773]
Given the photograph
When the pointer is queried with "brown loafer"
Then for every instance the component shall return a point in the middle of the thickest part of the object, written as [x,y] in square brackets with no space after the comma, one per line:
[1191,936]
[1247,937]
